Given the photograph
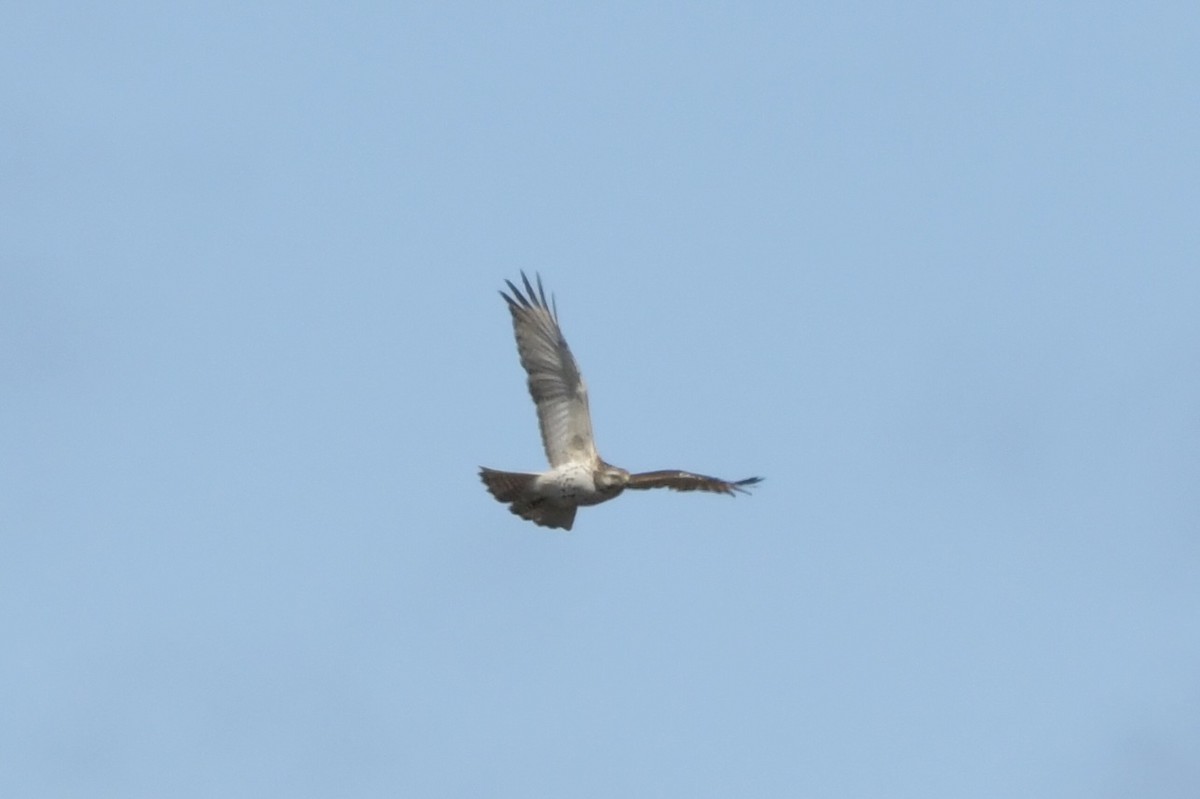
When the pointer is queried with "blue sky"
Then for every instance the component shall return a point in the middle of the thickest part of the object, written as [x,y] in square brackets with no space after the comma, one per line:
[930,269]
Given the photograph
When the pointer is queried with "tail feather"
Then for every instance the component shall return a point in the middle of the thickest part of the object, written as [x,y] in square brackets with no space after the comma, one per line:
[507,486]
[516,489]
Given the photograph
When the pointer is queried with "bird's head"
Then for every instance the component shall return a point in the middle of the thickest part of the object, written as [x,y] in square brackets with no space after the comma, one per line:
[611,479]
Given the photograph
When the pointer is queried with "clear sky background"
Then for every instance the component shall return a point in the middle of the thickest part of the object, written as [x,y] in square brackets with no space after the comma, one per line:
[931,269]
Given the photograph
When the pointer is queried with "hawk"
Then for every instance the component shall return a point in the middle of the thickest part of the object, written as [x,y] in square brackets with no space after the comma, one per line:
[578,475]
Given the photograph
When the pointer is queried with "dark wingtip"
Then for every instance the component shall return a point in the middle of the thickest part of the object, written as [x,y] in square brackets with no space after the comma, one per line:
[529,288]
[741,485]
[529,298]
[542,292]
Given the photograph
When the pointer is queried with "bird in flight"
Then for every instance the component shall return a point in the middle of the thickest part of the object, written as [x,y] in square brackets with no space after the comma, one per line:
[578,475]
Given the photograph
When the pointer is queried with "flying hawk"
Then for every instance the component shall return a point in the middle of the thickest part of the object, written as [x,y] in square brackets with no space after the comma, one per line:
[578,475]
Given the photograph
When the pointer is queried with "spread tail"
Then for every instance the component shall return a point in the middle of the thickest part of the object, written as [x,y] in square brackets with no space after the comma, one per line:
[517,490]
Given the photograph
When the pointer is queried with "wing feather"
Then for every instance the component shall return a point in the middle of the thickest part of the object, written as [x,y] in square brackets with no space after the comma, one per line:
[686,481]
[555,383]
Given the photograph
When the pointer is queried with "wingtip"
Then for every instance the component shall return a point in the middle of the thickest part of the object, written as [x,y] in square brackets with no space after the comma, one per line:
[529,286]
[741,486]
[530,297]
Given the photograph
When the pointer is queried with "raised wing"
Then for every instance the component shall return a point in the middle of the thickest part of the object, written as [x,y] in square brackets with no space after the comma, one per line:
[686,481]
[555,384]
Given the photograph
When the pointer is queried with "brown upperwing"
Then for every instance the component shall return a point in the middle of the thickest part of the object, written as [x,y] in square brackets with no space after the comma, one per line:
[686,481]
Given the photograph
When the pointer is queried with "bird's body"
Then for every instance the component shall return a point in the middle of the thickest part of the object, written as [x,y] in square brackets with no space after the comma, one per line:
[578,476]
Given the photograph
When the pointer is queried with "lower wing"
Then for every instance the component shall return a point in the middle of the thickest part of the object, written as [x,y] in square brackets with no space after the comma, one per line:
[686,481]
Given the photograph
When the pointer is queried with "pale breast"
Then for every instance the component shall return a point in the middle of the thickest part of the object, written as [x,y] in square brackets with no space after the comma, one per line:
[569,485]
